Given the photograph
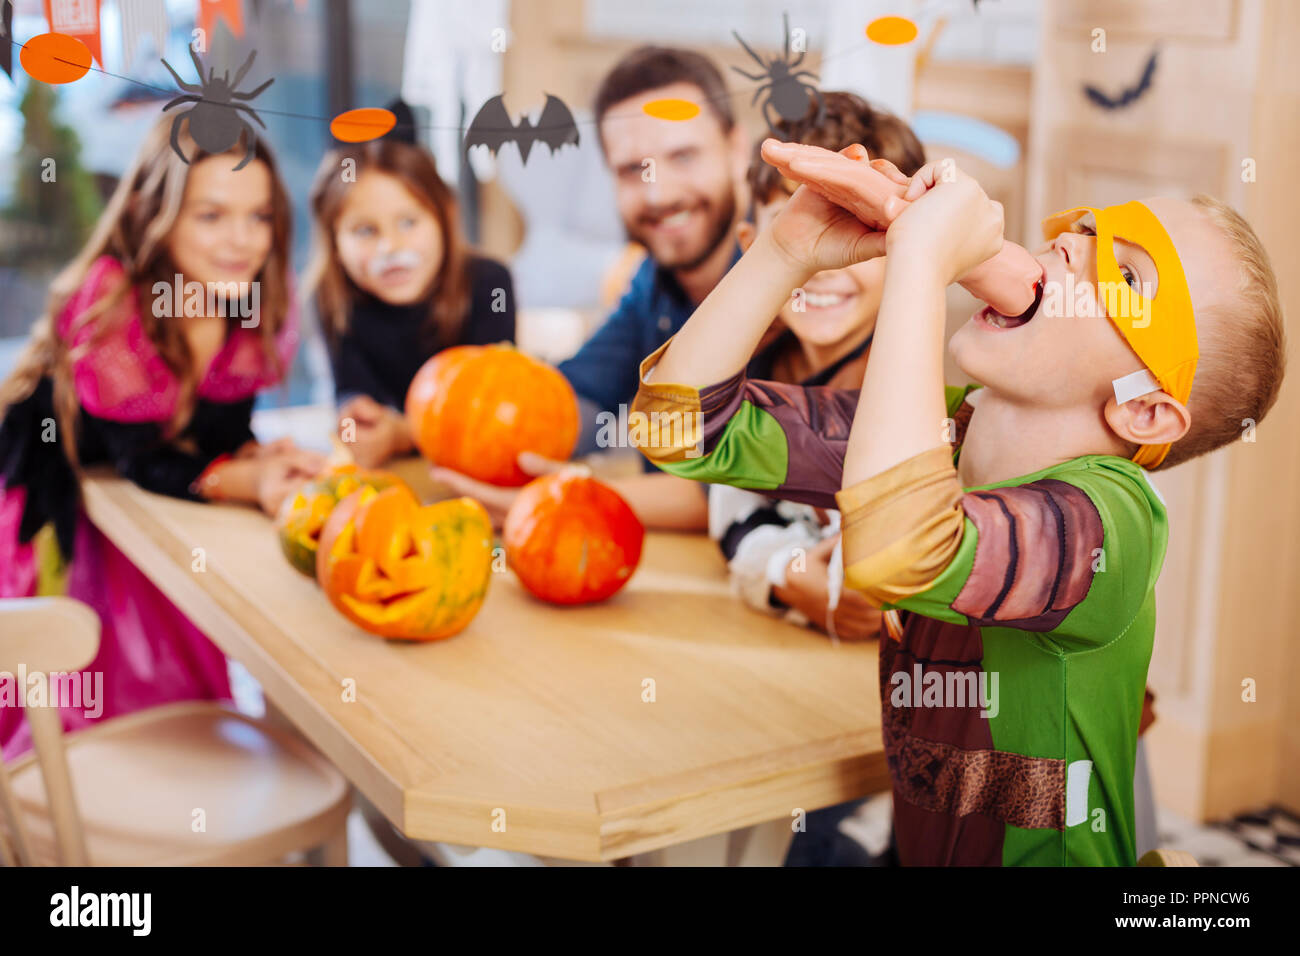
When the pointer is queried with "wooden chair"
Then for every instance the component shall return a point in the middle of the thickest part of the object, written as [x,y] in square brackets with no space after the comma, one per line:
[187,784]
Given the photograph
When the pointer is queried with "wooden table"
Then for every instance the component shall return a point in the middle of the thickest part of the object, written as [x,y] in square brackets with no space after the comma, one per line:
[668,714]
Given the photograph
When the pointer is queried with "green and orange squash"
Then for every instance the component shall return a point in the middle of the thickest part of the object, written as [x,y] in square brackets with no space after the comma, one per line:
[304,513]
[405,571]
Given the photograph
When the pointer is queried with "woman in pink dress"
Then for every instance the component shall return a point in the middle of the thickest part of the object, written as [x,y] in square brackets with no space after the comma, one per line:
[148,360]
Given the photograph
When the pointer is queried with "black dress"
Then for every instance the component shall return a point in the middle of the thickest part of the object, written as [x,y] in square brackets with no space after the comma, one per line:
[136,450]
[385,345]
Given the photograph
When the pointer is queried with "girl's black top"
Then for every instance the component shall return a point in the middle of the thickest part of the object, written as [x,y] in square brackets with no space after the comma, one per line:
[31,456]
[385,345]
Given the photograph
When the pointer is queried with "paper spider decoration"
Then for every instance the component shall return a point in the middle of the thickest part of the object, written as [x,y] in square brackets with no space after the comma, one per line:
[215,124]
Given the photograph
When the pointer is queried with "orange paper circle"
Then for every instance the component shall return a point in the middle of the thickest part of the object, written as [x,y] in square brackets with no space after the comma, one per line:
[891,31]
[360,126]
[55,58]
[672,109]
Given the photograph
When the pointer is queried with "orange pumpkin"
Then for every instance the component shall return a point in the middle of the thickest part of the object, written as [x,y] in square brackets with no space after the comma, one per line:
[403,571]
[474,408]
[571,539]
[303,514]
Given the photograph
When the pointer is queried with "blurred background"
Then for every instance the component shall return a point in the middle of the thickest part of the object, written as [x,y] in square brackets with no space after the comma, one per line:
[1002,85]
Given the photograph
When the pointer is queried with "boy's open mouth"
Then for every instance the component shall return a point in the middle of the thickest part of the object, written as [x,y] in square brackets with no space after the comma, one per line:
[997,320]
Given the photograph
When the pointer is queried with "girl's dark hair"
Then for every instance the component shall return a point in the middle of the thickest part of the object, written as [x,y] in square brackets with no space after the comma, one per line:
[651,67]
[414,167]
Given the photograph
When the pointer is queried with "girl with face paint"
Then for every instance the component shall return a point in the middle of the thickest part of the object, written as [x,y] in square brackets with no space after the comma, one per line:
[394,284]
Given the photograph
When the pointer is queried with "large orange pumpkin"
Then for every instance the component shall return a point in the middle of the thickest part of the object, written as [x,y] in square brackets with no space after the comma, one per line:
[474,408]
[303,514]
[404,571]
[571,539]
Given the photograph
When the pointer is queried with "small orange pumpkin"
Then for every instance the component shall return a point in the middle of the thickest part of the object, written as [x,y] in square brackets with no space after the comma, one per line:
[571,539]
[403,571]
[303,514]
[474,408]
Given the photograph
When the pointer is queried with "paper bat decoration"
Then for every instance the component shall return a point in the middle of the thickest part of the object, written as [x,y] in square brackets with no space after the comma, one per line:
[1130,95]
[404,129]
[493,128]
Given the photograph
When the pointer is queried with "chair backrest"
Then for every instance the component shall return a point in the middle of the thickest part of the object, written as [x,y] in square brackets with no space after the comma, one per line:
[39,637]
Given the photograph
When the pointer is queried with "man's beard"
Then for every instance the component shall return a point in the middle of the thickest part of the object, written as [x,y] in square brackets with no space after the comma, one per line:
[720,214]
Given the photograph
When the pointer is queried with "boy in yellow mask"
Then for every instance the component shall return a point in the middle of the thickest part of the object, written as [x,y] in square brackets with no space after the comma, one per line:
[1013,525]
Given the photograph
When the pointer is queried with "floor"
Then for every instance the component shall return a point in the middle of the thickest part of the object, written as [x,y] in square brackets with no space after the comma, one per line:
[1269,837]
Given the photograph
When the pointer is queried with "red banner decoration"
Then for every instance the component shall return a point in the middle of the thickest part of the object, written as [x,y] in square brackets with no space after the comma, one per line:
[76,18]
[232,11]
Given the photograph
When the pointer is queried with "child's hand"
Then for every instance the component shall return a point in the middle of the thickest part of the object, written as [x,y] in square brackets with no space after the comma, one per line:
[816,234]
[303,461]
[495,498]
[279,476]
[806,590]
[255,449]
[873,191]
[378,432]
[951,223]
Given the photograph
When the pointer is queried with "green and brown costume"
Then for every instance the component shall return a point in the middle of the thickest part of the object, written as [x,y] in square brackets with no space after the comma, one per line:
[1011,704]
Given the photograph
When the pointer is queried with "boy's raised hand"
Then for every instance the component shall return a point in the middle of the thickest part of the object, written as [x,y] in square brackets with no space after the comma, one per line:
[816,233]
[877,192]
[809,235]
[872,189]
[951,222]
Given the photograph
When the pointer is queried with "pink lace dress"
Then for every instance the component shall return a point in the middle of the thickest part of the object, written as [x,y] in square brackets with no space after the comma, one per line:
[150,653]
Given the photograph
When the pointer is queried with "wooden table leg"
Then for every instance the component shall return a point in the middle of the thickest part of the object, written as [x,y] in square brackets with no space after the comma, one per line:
[763,845]
[333,853]
[399,848]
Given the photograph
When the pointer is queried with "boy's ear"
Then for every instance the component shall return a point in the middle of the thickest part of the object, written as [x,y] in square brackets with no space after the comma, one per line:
[1156,418]
[745,233]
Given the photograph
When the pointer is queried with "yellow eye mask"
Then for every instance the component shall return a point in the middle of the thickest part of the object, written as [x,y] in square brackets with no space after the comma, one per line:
[1160,329]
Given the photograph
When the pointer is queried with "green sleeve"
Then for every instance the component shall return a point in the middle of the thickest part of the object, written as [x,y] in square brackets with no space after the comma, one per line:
[1072,552]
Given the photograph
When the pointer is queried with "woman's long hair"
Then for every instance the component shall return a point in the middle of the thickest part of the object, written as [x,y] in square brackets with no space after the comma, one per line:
[326,278]
[134,229]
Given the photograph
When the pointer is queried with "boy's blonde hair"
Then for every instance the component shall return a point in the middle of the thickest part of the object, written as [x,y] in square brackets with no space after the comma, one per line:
[1242,346]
